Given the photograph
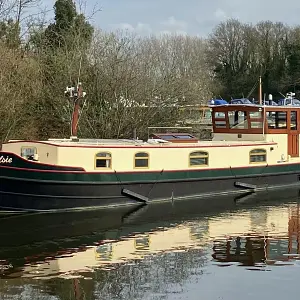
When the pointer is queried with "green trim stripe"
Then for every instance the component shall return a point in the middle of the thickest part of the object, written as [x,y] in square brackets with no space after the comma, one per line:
[149,176]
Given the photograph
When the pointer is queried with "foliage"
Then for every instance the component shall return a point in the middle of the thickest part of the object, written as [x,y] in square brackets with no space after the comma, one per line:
[132,82]
[10,33]
[239,53]
[68,28]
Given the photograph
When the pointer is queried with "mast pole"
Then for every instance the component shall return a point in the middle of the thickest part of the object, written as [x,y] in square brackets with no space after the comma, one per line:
[260,91]
[75,115]
[75,94]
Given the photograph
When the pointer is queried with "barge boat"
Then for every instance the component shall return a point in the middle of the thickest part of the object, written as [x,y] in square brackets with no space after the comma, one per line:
[254,148]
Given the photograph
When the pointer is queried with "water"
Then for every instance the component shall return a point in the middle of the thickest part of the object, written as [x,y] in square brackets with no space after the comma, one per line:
[248,249]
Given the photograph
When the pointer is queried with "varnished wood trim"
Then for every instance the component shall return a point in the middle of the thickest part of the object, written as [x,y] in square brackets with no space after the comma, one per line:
[235,130]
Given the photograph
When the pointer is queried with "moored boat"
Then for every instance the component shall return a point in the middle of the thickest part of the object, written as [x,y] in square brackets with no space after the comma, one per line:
[254,148]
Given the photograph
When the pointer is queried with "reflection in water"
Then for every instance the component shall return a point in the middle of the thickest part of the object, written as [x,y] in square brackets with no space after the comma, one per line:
[151,260]
[271,236]
[104,252]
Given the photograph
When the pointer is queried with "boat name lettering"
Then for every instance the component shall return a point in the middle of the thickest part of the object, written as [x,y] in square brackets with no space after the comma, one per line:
[5,160]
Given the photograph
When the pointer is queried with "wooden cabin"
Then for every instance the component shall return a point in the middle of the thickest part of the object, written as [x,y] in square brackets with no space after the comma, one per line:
[278,124]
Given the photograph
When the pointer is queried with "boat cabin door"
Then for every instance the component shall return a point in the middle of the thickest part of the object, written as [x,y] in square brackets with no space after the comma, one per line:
[293,134]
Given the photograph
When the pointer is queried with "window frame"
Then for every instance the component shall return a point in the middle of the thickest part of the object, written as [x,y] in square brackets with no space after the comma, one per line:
[263,152]
[26,147]
[141,158]
[103,158]
[199,156]
[279,117]
[293,113]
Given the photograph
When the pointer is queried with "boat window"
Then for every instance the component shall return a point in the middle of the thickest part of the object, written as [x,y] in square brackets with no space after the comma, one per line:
[183,136]
[256,120]
[255,114]
[28,152]
[207,114]
[220,119]
[220,114]
[258,155]
[141,160]
[103,160]
[220,123]
[293,120]
[198,158]
[256,124]
[167,137]
[277,119]
[238,119]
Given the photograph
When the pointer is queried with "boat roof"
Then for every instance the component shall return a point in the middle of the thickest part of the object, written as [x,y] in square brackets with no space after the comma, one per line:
[116,143]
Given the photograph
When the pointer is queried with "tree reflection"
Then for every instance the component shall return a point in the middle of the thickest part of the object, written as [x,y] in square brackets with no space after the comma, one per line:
[153,275]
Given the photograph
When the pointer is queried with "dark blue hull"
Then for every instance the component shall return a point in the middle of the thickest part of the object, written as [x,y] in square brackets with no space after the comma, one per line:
[31,188]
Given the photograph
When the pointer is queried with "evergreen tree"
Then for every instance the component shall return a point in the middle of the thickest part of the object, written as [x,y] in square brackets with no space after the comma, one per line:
[292,82]
[69,28]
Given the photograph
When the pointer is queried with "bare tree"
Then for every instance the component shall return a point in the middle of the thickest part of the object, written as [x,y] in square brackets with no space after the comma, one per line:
[15,8]
[138,82]
[271,52]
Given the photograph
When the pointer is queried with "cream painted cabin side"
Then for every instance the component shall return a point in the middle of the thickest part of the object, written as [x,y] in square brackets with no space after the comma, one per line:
[280,139]
[164,158]
[221,154]
[47,153]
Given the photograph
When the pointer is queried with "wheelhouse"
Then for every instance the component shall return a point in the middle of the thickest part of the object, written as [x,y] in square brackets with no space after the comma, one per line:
[255,119]
[242,122]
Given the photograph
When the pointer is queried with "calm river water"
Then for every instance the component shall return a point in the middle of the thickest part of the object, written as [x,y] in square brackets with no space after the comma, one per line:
[241,249]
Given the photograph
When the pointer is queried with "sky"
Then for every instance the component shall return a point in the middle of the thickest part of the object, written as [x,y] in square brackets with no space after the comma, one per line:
[193,17]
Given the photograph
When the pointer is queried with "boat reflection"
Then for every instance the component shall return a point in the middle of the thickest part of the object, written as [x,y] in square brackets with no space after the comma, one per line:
[250,236]
[104,254]
[270,237]
[108,253]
